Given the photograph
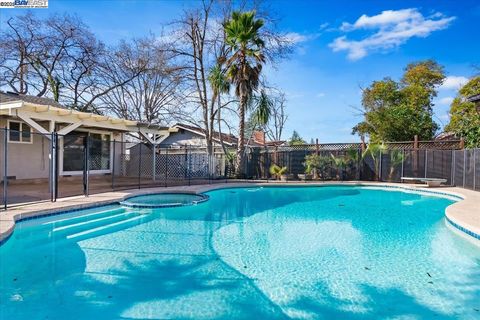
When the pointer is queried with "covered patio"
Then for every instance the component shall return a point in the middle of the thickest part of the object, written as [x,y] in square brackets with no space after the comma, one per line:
[49,151]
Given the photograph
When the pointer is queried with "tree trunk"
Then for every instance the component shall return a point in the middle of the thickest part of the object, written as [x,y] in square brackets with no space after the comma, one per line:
[239,161]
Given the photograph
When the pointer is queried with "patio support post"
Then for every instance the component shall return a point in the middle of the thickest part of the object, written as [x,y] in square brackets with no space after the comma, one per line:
[5,167]
[154,164]
[57,151]
[52,166]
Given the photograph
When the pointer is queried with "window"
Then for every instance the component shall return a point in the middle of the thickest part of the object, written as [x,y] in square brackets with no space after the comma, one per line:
[19,132]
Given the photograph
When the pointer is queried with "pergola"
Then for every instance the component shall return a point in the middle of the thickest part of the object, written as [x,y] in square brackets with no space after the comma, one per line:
[69,120]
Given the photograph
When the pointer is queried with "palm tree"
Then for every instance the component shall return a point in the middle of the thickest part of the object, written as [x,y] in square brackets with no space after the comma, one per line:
[396,159]
[340,164]
[244,65]
[375,151]
[219,85]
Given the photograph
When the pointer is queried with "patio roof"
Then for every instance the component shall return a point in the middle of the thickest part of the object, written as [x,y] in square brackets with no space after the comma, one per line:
[31,109]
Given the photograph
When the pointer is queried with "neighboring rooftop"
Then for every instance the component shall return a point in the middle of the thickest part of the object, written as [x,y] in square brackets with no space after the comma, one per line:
[258,139]
[229,139]
[446,136]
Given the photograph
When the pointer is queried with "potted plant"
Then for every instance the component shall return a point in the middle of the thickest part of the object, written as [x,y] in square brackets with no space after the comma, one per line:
[317,165]
[279,172]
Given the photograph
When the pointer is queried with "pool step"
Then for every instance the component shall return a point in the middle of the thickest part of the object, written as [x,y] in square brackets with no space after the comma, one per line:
[92,223]
[104,229]
[85,217]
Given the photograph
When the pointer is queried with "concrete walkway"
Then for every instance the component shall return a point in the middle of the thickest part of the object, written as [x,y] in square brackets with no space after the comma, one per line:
[464,214]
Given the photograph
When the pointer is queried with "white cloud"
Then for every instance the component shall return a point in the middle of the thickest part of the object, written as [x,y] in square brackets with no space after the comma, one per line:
[453,82]
[295,37]
[446,101]
[393,28]
[321,95]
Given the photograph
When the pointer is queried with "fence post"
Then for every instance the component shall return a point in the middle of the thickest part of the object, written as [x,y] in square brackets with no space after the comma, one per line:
[426,162]
[189,158]
[474,168]
[210,160]
[140,165]
[113,165]
[453,168]
[380,167]
[166,167]
[464,166]
[5,168]
[86,166]
[403,165]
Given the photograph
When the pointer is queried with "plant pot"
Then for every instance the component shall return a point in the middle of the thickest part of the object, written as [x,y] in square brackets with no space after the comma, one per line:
[286,177]
[305,177]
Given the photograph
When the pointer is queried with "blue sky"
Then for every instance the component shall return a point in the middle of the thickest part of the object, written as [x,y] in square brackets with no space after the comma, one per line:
[342,46]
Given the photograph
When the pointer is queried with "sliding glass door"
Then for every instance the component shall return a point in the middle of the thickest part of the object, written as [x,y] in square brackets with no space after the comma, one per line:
[74,151]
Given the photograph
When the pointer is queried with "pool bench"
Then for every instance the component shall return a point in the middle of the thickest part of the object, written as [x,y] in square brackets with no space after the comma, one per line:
[431,182]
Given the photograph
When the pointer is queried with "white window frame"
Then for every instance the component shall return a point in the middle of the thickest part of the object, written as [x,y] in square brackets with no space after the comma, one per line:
[21,123]
[77,173]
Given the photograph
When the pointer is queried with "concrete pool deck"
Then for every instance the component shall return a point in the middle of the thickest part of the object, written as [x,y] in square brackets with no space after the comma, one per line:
[464,215]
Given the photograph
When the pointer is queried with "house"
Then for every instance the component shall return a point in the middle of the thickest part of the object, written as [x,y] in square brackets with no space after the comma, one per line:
[29,124]
[188,135]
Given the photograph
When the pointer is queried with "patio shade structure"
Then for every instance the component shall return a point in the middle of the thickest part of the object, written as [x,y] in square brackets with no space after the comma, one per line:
[46,122]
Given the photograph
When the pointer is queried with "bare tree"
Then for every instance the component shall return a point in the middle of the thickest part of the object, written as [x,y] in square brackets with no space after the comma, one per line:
[278,117]
[61,58]
[154,96]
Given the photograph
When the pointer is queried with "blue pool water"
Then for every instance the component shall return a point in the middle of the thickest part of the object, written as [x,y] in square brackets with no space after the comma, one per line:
[248,253]
[163,200]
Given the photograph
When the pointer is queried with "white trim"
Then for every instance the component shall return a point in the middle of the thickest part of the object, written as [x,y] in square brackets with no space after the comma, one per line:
[69,128]
[21,123]
[33,124]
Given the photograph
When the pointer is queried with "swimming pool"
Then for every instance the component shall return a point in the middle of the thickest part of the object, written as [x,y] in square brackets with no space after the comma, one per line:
[336,252]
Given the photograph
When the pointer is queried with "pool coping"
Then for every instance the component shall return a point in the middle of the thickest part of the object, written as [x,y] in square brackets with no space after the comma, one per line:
[464,214]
